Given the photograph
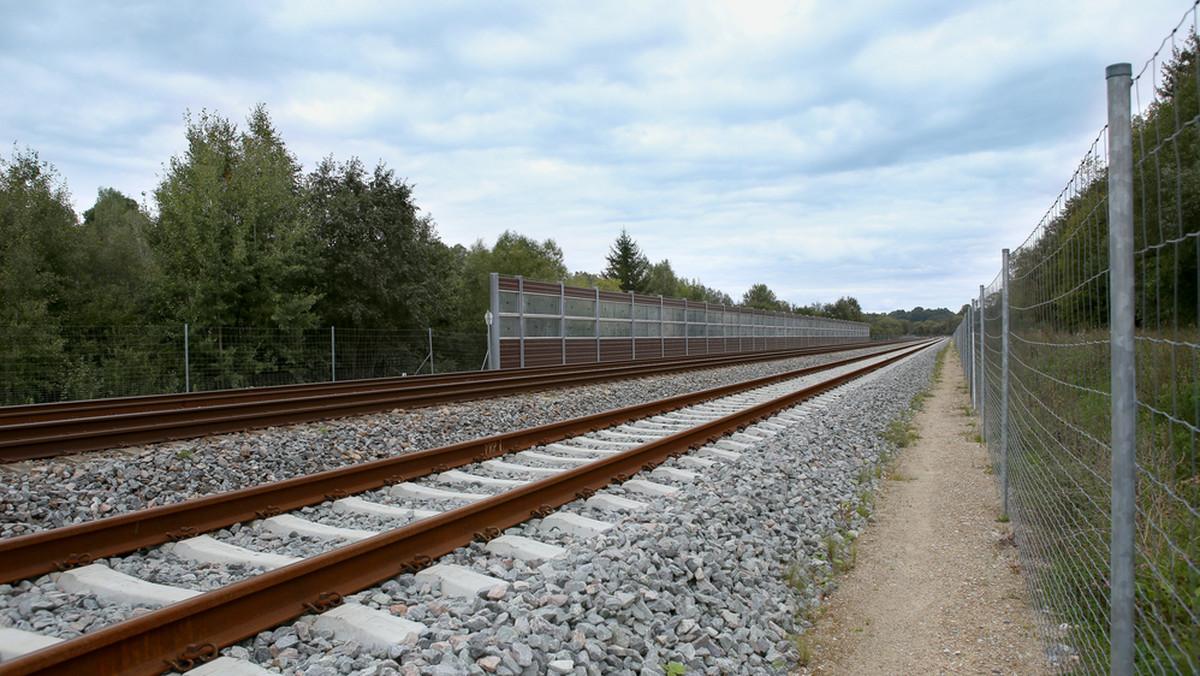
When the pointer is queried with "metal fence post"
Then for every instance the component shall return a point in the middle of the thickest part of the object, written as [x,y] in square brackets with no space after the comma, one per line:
[596,310]
[1124,394]
[521,316]
[494,326]
[187,362]
[662,336]
[632,326]
[687,333]
[332,355]
[982,369]
[432,370]
[1004,389]
[562,319]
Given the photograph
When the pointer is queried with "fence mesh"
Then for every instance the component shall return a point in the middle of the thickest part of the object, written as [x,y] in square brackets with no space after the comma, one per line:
[45,364]
[1059,454]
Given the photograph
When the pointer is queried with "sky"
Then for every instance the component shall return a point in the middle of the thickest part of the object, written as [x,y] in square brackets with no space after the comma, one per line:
[882,150]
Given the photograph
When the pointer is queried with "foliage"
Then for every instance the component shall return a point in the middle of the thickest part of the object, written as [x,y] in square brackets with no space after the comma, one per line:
[379,264]
[230,235]
[37,258]
[627,264]
[760,297]
[117,270]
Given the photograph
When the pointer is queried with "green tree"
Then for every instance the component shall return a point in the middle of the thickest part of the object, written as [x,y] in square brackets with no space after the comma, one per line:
[846,308]
[117,270]
[587,280]
[513,255]
[379,263]
[230,236]
[627,264]
[38,256]
[763,298]
[883,326]
[661,281]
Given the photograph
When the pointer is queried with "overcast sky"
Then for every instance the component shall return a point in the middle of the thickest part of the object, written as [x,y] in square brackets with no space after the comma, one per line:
[882,150]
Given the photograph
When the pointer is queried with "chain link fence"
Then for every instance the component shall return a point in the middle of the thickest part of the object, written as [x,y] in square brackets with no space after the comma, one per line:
[1082,357]
[41,364]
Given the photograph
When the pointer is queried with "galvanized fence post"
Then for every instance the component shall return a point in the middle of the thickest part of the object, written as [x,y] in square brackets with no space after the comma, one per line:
[562,318]
[596,311]
[187,361]
[1004,389]
[432,370]
[632,325]
[521,316]
[982,409]
[332,355]
[1124,394]
[494,325]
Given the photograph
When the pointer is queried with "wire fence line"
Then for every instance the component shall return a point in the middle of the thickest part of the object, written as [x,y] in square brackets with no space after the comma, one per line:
[40,364]
[1082,357]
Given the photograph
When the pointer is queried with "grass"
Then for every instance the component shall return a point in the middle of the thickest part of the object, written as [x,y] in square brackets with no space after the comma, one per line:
[1059,473]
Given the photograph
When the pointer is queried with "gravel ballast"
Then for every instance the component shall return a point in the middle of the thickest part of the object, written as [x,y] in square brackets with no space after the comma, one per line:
[711,579]
[41,494]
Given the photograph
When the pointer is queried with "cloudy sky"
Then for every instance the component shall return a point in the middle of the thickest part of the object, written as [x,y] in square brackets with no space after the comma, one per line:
[883,150]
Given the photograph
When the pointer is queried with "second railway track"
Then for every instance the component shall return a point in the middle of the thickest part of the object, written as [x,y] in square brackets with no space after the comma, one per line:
[45,430]
[222,617]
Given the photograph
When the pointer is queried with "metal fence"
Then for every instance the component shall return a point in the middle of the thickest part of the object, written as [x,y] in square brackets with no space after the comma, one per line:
[44,364]
[549,323]
[1082,357]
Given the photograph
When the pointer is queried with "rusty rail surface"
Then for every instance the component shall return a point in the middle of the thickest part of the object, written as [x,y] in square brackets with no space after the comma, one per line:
[178,633]
[47,430]
[60,548]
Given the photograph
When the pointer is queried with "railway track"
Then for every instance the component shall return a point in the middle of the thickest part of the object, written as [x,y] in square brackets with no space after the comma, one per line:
[47,430]
[576,459]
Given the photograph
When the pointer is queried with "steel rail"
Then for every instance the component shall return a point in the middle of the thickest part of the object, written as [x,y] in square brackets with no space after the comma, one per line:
[78,544]
[188,631]
[39,435]
[91,407]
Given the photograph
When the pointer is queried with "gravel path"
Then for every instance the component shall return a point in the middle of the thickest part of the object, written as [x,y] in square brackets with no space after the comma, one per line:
[936,588]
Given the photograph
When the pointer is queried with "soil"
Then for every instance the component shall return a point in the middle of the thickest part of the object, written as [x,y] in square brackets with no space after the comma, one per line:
[936,587]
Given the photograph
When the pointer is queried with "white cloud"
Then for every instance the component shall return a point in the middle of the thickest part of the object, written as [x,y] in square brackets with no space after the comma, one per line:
[876,149]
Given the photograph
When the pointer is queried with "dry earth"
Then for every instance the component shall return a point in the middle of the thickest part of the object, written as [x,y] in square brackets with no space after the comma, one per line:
[936,588]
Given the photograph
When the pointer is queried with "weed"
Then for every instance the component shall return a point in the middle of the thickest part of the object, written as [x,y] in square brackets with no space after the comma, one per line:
[1003,518]
[185,454]
[802,646]
[673,668]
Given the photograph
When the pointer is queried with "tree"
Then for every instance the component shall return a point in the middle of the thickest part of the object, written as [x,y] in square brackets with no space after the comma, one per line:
[38,255]
[117,270]
[379,263]
[696,291]
[514,254]
[846,308]
[587,280]
[760,297]
[38,241]
[627,264]
[230,235]
[660,280]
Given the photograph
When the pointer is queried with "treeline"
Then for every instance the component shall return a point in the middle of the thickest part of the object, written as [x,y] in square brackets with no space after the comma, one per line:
[1061,272]
[237,235]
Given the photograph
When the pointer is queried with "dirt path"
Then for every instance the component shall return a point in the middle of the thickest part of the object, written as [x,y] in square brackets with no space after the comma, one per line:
[936,588]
